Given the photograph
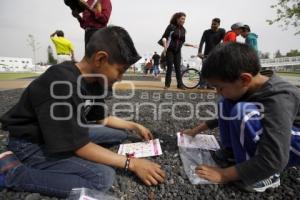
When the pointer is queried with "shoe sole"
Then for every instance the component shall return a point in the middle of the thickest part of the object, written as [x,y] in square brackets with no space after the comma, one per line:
[274,185]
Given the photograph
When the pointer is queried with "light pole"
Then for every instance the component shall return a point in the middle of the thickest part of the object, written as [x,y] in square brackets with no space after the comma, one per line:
[34,46]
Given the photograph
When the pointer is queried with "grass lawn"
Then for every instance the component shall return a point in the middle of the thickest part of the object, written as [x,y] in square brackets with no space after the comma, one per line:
[13,76]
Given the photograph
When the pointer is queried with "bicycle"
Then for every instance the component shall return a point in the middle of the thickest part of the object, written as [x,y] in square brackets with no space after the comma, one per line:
[191,77]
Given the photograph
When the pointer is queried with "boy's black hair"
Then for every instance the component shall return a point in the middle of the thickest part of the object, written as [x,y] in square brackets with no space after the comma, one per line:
[246,28]
[116,42]
[227,61]
[217,20]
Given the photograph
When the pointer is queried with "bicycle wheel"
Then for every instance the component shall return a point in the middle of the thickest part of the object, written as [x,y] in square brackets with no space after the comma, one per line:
[190,78]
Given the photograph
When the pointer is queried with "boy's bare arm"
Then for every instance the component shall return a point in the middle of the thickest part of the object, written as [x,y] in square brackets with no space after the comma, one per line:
[196,130]
[149,172]
[53,34]
[115,122]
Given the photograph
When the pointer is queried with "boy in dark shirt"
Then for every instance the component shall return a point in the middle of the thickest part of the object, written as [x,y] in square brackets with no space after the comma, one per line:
[58,126]
[258,118]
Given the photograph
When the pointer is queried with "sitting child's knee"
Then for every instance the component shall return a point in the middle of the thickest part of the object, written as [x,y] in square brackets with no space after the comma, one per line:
[105,178]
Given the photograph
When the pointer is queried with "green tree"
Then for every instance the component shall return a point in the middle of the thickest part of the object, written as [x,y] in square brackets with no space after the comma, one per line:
[288,14]
[51,59]
[278,54]
[34,45]
[262,55]
[293,53]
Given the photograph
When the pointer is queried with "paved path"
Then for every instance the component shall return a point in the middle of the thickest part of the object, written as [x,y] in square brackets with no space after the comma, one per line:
[125,85]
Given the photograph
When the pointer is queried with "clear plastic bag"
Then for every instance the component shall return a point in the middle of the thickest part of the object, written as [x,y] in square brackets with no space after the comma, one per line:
[191,158]
[88,194]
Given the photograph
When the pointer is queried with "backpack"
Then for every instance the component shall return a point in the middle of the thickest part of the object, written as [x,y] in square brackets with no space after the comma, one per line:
[160,42]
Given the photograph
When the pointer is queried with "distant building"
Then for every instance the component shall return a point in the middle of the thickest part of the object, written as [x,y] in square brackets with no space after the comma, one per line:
[11,64]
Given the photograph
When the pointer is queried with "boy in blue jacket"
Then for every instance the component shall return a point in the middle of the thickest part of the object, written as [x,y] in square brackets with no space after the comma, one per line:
[250,38]
[258,119]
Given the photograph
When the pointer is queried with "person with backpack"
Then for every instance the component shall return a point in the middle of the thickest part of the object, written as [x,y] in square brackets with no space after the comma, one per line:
[172,40]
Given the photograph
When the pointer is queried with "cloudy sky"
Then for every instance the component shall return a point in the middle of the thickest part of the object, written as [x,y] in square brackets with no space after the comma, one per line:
[145,20]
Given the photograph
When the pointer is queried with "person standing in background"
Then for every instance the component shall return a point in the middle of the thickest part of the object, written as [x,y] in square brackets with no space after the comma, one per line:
[173,39]
[250,38]
[155,59]
[95,16]
[211,37]
[236,30]
[64,47]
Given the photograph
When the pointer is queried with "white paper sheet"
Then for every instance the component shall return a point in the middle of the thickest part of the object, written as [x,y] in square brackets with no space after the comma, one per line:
[141,149]
[200,141]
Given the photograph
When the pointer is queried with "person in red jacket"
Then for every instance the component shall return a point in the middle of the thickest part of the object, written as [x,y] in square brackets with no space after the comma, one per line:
[95,15]
[236,30]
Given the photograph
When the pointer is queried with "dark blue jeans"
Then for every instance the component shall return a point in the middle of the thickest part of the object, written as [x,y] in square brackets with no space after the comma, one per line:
[56,175]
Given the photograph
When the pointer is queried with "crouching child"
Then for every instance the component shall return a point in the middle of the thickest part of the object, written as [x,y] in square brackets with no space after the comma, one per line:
[258,120]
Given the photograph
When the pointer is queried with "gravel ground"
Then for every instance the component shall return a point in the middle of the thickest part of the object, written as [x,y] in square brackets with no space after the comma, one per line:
[128,187]
[141,77]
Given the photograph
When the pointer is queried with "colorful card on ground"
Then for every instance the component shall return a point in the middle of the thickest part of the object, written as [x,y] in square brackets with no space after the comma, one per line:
[141,149]
[200,141]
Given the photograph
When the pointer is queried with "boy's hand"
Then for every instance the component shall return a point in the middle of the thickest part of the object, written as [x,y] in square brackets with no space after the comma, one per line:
[149,172]
[143,132]
[198,129]
[190,132]
[213,174]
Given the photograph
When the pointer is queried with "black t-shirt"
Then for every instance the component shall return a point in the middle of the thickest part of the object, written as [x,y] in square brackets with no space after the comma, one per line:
[156,58]
[211,39]
[55,110]
[175,36]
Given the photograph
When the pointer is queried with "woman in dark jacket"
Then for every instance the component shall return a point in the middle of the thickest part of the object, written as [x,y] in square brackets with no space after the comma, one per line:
[173,39]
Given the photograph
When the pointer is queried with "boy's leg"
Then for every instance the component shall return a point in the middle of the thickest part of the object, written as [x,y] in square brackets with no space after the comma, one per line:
[106,135]
[295,148]
[245,130]
[54,176]
[225,107]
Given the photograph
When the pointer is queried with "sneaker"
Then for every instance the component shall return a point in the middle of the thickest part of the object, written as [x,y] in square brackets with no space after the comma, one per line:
[260,186]
[8,161]
[271,182]
[223,157]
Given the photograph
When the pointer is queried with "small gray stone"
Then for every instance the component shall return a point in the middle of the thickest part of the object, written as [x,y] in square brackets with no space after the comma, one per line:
[180,179]
[171,181]
[33,196]
[140,188]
